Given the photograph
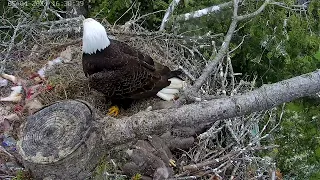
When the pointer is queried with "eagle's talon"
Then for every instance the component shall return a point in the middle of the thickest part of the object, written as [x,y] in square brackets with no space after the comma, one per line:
[172,163]
[114,111]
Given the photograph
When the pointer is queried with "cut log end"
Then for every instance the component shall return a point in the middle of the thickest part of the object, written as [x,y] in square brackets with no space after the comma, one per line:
[60,133]
[54,132]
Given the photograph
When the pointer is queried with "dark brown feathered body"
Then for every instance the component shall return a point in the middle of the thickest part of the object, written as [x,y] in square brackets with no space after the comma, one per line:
[121,72]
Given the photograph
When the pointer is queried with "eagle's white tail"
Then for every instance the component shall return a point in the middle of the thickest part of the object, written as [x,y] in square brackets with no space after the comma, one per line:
[169,93]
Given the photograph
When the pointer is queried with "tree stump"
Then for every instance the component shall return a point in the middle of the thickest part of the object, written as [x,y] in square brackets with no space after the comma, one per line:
[59,141]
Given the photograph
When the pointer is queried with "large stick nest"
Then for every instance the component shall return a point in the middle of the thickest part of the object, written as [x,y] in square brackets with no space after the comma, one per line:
[175,51]
[68,80]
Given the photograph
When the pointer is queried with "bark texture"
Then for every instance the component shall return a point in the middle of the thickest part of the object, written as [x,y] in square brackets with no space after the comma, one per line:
[51,148]
[266,97]
[59,141]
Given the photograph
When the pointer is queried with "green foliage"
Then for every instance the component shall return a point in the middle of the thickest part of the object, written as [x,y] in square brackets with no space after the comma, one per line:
[105,167]
[22,175]
[281,44]
[317,55]
[299,138]
[137,177]
[215,23]
[278,44]
[32,9]
[112,10]
[19,176]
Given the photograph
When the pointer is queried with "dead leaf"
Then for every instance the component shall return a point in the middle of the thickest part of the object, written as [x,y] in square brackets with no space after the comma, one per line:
[66,55]
[12,117]
[279,175]
[33,105]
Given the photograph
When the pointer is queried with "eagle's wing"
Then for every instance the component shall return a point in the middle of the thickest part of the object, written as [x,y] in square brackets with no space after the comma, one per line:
[116,56]
[128,82]
[125,48]
[144,59]
[120,71]
[109,60]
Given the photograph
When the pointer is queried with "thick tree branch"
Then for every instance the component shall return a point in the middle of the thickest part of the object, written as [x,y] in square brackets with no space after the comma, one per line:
[169,11]
[264,98]
[203,12]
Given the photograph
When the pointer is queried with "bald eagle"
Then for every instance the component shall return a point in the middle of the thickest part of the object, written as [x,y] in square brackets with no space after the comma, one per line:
[122,73]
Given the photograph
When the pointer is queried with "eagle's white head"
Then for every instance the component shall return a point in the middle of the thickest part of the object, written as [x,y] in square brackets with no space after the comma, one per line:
[94,36]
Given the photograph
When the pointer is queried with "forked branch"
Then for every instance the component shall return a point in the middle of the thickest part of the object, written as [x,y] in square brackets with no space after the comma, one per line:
[223,50]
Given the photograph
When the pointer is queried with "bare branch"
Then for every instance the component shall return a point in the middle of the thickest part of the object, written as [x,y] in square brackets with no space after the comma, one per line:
[115,22]
[194,167]
[212,65]
[168,14]
[203,12]
[251,15]
[211,133]
[12,42]
[191,92]
[234,171]
[231,74]
[44,11]
[238,44]
[62,21]
[56,13]
[145,15]
[187,73]
[63,30]
[214,62]
[300,8]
